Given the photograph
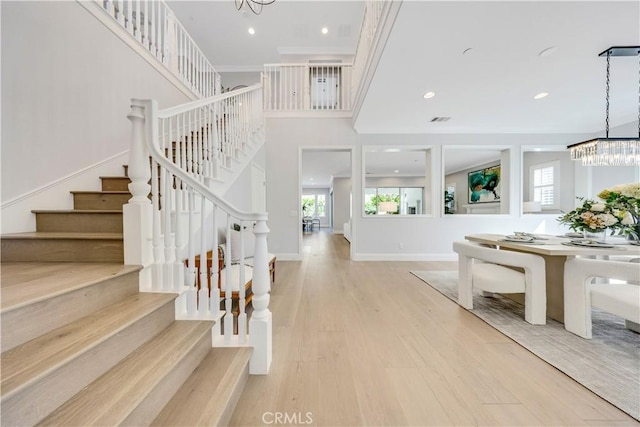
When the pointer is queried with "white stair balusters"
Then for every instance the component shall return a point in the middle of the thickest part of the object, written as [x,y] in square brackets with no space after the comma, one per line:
[307,87]
[154,26]
[172,232]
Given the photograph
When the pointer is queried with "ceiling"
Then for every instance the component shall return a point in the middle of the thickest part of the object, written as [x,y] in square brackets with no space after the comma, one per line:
[484,60]
[284,28]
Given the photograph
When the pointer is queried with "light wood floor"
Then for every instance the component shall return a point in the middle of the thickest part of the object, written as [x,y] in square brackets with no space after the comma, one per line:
[367,343]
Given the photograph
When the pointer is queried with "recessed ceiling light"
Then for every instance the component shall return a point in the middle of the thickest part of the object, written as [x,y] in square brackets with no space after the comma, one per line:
[541,95]
[325,30]
[310,179]
[429,95]
[396,171]
[251,31]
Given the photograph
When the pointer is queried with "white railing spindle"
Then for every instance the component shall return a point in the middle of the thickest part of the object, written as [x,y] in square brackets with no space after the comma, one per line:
[304,87]
[197,131]
[154,26]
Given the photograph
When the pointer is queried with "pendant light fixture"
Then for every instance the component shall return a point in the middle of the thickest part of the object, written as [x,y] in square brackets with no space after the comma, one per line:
[611,151]
[254,5]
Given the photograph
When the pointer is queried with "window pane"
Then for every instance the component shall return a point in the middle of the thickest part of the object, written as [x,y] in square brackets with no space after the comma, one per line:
[411,201]
[308,204]
[543,176]
[321,205]
[388,200]
[370,201]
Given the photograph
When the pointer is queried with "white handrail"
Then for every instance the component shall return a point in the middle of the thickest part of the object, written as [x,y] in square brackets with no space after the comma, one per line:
[154,25]
[174,234]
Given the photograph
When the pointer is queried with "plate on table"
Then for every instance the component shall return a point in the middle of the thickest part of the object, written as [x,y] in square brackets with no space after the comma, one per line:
[534,236]
[590,244]
[519,239]
[573,235]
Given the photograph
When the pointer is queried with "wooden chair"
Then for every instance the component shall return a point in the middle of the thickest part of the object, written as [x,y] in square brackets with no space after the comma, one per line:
[233,273]
[496,273]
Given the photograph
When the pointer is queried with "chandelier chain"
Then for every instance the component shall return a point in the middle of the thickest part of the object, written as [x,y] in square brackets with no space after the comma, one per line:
[608,78]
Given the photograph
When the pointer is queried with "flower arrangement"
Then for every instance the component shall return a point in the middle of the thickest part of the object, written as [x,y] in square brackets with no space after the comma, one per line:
[618,211]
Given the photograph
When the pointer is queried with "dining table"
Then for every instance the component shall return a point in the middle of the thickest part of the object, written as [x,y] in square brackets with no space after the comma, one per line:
[556,250]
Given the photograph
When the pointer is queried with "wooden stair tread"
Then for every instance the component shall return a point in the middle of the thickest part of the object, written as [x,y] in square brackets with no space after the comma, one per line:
[99,192]
[26,363]
[78,211]
[25,283]
[62,235]
[111,398]
[214,387]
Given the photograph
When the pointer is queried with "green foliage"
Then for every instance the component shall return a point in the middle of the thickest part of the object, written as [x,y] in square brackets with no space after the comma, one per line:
[448,202]
[307,206]
[371,206]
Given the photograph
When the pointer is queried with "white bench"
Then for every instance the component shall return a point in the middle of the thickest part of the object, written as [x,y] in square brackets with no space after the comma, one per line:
[496,275]
[621,299]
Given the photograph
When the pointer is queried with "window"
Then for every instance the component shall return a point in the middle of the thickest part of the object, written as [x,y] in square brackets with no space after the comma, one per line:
[321,205]
[308,205]
[544,179]
[314,205]
[393,200]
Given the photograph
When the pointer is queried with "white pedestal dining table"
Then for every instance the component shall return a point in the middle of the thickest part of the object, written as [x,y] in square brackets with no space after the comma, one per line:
[555,251]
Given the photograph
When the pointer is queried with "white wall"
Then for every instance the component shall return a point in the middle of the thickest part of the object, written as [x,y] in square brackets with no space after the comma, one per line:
[67,82]
[240,192]
[283,137]
[341,203]
[230,80]
[389,237]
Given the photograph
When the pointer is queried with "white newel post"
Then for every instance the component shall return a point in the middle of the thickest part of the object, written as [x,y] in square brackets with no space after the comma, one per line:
[260,324]
[137,213]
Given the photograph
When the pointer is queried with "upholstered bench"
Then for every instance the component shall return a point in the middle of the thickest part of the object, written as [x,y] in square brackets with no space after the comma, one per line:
[580,294]
[493,270]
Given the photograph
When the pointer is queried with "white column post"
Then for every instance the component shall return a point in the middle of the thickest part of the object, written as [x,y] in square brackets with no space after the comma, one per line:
[307,87]
[137,213]
[260,335]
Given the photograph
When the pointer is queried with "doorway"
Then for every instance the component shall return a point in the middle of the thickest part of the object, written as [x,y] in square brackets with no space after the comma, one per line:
[325,190]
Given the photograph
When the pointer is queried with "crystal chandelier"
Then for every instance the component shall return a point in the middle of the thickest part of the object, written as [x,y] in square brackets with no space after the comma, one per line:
[611,151]
[254,5]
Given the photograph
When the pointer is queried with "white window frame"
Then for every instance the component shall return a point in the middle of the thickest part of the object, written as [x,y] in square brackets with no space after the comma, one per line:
[555,165]
[315,196]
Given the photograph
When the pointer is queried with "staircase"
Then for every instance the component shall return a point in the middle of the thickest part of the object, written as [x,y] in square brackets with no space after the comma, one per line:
[82,346]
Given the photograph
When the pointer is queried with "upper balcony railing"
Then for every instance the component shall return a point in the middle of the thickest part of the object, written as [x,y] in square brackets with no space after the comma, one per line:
[153,24]
[324,86]
[307,87]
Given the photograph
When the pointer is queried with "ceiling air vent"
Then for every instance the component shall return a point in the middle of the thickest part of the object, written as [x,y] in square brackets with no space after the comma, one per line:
[440,119]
